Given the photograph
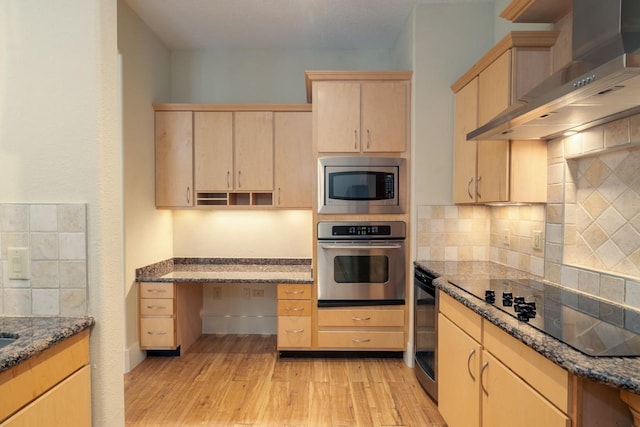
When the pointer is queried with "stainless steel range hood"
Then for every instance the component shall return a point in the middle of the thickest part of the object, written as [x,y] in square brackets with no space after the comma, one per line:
[601,84]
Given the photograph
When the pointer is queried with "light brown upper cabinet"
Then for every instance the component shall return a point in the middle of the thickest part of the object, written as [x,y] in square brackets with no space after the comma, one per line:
[500,171]
[360,112]
[233,150]
[174,159]
[294,164]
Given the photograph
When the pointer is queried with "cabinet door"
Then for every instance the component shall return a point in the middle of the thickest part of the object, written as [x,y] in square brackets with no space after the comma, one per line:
[492,182]
[494,88]
[507,400]
[174,159]
[294,165]
[465,152]
[68,404]
[384,116]
[213,145]
[253,150]
[458,376]
[337,116]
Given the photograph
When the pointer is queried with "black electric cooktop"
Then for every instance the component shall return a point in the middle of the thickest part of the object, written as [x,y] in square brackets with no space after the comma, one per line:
[591,326]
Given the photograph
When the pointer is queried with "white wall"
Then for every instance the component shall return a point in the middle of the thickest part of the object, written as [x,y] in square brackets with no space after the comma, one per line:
[449,38]
[148,231]
[60,142]
[243,234]
[259,76]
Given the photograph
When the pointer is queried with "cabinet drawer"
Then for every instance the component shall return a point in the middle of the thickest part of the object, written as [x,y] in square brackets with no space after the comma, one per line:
[462,316]
[383,340]
[156,290]
[156,307]
[351,317]
[294,291]
[157,332]
[294,332]
[546,377]
[294,307]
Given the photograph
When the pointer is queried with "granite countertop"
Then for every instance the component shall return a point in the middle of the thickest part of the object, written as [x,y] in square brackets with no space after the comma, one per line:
[619,372]
[36,334]
[228,270]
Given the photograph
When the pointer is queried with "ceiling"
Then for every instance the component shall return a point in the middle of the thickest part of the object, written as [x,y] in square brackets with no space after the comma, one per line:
[278,24]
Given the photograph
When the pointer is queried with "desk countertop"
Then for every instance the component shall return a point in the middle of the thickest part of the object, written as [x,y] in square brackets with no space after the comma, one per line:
[228,270]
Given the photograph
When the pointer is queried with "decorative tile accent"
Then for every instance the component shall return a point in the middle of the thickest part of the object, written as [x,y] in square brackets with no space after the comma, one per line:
[55,235]
[606,207]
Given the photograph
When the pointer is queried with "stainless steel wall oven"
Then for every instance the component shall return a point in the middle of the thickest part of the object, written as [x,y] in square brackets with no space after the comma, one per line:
[425,329]
[361,263]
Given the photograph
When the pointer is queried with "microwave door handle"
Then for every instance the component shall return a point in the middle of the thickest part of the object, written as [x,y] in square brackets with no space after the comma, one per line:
[364,247]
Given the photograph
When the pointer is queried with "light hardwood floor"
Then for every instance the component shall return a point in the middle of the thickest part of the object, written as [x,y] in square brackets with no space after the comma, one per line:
[239,380]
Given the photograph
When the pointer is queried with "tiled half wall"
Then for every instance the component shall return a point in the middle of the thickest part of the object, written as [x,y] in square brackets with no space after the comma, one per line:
[56,238]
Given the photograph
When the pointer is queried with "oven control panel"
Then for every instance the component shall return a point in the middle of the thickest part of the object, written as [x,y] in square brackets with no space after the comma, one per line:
[361,230]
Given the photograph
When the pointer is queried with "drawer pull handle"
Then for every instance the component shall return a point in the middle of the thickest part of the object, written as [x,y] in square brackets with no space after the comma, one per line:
[359,340]
[484,367]
[295,309]
[156,307]
[159,291]
[294,331]
[294,292]
[157,332]
[469,364]
[361,318]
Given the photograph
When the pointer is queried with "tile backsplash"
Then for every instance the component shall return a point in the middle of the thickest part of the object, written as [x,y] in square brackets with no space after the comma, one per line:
[590,223]
[56,238]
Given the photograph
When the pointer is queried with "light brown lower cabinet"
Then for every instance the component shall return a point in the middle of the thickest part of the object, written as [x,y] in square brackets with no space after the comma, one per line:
[51,389]
[494,377]
[364,328]
[488,378]
[294,316]
[169,319]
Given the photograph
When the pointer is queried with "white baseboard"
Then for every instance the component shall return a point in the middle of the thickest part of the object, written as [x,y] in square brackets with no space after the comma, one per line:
[133,356]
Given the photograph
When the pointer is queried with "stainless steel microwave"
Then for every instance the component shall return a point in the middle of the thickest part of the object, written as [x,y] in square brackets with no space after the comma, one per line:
[360,185]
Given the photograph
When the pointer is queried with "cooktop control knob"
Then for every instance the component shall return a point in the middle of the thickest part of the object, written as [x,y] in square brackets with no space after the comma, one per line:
[490,296]
[507,299]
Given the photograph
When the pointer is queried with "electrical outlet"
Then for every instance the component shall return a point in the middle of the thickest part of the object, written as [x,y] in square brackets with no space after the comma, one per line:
[536,240]
[257,293]
[217,292]
[506,237]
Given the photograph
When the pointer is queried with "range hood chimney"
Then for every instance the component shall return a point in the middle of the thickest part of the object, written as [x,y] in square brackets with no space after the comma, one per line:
[601,84]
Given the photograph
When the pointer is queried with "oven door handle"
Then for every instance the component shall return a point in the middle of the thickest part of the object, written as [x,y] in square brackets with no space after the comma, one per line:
[362,247]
